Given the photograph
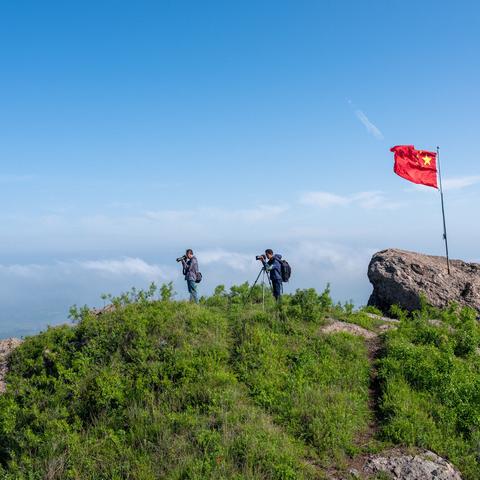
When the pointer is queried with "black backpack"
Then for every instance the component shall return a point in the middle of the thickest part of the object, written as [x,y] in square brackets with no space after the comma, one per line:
[198,278]
[285,270]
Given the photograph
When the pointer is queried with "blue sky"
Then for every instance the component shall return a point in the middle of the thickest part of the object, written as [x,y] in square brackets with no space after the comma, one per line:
[130,131]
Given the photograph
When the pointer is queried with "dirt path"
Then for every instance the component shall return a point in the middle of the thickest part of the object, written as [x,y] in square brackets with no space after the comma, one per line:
[374,344]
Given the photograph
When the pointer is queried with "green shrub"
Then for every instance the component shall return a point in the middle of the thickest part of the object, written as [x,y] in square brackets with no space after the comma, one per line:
[234,388]
[308,306]
[430,375]
[147,390]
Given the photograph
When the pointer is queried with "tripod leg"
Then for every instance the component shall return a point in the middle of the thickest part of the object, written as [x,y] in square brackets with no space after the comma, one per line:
[256,281]
[258,276]
[263,289]
[270,282]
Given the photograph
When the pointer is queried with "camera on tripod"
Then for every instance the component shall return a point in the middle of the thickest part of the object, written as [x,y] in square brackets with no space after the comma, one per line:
[182,258]
[261,257]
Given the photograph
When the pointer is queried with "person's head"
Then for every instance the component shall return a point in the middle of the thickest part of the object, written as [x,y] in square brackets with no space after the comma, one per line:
[189,253]
[269,253]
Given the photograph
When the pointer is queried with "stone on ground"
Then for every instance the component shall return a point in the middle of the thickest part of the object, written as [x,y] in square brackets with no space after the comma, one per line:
[338,326]
[422,466]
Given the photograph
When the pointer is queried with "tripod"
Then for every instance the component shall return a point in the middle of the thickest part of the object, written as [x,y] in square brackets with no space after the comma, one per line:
[263,273]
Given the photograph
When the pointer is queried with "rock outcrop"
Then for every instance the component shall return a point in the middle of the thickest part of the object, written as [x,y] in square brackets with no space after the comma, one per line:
[6,348]
[400,277]
[422,466]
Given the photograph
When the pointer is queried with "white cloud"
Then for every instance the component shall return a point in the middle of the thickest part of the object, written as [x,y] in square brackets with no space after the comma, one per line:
[460,182]
[371,128]
[124,267]
[234,260]
[170,215]
[36,295]
[451,183]
[374,200]
[370,199]
[366,200]
[323,199]
[331,257]
[127,266]
[22,271]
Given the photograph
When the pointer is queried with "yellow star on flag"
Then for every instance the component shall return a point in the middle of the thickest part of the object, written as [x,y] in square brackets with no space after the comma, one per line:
[427,160]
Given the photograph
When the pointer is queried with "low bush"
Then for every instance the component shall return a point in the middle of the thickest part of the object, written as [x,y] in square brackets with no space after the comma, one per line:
[238,387]
[228,389]
[430,374]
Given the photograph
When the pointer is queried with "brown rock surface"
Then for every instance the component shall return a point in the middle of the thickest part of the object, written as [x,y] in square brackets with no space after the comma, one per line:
[400,277]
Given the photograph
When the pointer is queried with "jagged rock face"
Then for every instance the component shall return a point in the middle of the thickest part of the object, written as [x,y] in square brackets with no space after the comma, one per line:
[400,277]
[6,348]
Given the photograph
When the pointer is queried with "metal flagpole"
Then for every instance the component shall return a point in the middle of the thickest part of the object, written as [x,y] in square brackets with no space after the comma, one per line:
[443,209]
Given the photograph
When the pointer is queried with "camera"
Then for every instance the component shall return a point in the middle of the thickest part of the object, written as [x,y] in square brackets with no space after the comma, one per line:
[183,257]
[260,257]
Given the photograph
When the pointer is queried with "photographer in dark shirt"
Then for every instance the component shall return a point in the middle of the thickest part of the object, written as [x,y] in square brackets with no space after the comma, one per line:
[272,265]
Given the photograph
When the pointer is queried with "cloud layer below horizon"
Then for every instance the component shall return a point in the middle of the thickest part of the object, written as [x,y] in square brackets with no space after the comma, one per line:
[327,237]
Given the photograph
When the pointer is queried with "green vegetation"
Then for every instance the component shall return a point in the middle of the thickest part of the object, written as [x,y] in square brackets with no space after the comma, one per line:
[163,389]
[156,388]
[431,385]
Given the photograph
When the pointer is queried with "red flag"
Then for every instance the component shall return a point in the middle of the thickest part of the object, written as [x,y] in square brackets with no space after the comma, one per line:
[418,166]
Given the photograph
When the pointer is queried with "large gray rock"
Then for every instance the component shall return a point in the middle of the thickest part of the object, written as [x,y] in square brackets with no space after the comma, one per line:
[7,346]
[421,466]
[400,277]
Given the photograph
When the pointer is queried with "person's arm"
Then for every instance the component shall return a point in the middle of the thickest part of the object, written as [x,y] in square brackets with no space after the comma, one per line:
[267,265]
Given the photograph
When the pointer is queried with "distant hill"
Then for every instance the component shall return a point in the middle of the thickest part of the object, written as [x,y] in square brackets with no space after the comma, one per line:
[231,389]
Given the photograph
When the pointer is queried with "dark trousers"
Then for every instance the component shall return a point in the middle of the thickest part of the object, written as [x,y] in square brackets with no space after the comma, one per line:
[277,288]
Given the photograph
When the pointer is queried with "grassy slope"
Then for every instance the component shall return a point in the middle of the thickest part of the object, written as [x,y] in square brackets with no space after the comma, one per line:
[431,386]
[225,390]
[171,390]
